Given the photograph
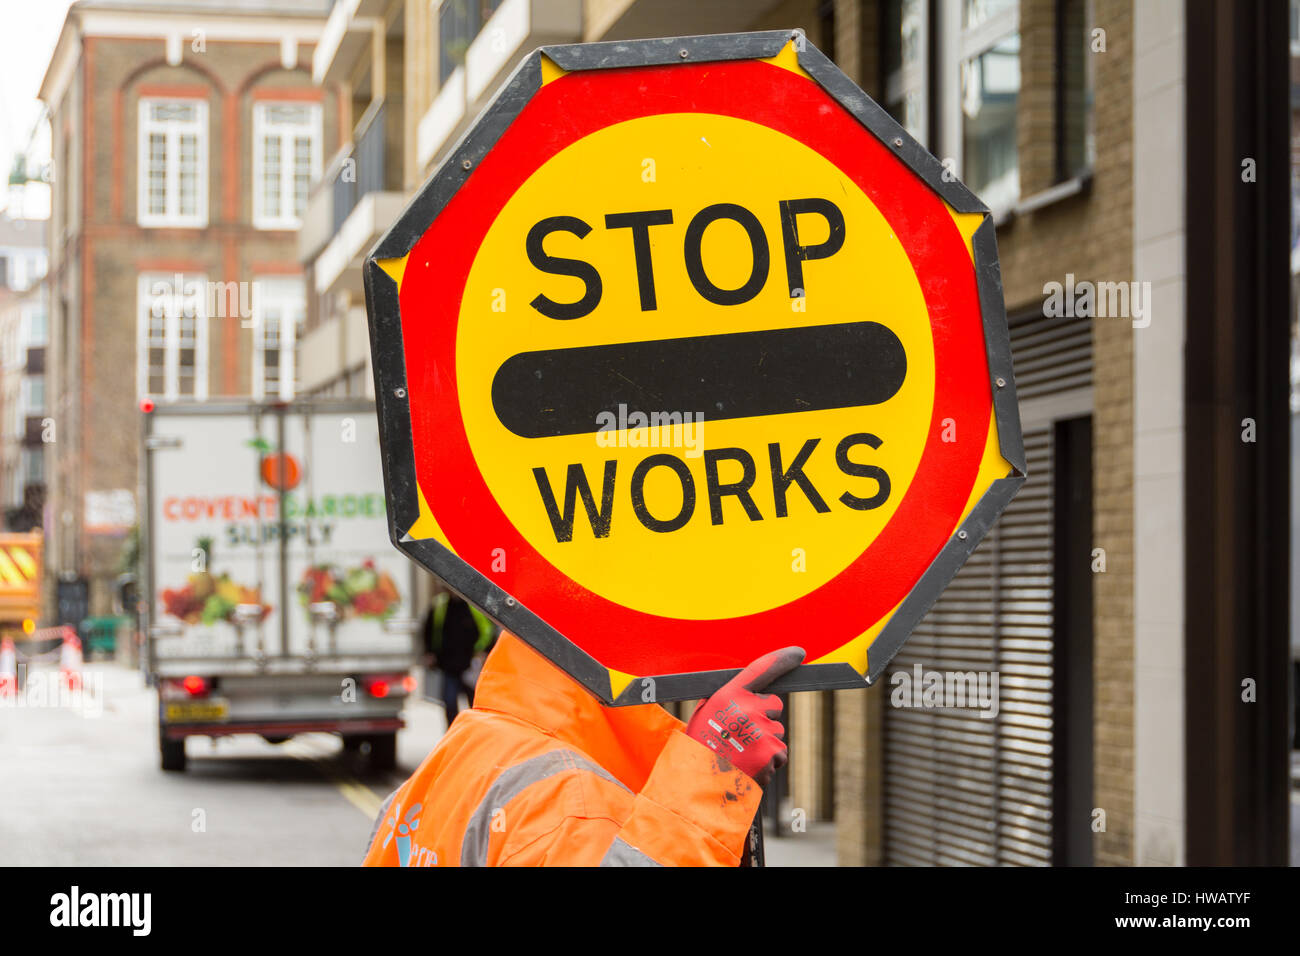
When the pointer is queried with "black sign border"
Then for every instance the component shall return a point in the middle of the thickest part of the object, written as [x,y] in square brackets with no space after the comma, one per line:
[388,360]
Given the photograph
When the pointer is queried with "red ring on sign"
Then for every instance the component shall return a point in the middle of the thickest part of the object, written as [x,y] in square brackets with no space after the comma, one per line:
[437,270]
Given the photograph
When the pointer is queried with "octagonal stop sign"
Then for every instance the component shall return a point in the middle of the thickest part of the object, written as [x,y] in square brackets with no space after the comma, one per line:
[687,352]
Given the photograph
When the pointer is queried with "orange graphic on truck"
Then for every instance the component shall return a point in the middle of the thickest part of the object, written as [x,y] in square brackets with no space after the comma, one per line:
[279,469]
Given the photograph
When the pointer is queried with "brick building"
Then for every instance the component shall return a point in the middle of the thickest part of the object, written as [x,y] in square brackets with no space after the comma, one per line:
[1081,126]
[184,136]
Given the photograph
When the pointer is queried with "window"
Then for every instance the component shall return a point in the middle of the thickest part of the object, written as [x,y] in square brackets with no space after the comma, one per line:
[36,332]
[990,88]
[905,33]
[279,311]
[173,180]
[286,160]
[34,459]
[33,400]
[1076,149]
[172,350]
[459,22]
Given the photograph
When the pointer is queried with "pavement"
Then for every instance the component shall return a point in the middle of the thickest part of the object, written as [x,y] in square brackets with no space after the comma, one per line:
[814,846]
[80,785]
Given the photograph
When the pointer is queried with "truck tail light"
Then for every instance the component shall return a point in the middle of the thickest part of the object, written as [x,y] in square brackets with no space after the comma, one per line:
[190,686]
[381,686]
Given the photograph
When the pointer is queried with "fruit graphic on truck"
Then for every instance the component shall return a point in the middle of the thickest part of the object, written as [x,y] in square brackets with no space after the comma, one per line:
[362,591]
[278,469]
[207,598]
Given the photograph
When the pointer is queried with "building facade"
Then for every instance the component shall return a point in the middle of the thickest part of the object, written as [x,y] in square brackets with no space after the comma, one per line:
[24,313]
[1071,120]
[184,138]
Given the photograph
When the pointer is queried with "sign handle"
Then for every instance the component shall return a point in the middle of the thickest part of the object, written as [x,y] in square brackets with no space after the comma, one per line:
[753,855]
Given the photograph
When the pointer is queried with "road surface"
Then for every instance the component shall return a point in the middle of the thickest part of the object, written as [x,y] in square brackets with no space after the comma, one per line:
[80,785]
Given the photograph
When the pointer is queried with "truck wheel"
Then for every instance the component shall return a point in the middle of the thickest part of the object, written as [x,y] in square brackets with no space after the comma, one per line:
[172,753]
[383,751]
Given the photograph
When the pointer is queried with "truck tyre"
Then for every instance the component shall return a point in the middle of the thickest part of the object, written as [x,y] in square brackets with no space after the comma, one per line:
[172,752]
[383,752]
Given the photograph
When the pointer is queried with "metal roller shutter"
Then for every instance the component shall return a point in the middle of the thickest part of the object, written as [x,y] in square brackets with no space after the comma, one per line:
[960,789]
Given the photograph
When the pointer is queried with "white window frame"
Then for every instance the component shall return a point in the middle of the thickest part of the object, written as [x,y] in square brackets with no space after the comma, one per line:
[172,301]
[289,293]
[172,130]
[262,130]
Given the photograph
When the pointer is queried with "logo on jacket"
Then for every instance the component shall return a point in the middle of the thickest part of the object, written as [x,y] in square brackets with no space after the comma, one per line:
[402,828]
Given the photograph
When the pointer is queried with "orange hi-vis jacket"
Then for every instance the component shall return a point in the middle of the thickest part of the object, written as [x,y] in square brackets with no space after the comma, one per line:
[539,773]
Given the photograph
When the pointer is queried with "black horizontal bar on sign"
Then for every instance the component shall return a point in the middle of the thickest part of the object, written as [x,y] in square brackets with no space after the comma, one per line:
[552,392]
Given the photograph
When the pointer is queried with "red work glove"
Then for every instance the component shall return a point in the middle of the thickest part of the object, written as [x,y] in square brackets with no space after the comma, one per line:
[743,725]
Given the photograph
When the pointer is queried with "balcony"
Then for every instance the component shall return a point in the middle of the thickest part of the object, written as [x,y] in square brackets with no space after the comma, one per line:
[351,207]
[513,31]
[346,35]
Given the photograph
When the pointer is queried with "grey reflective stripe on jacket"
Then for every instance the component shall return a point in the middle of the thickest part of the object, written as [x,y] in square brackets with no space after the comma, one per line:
[514,781]
[624,854]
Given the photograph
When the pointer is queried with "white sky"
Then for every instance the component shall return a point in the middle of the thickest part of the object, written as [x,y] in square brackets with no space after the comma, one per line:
[26,44]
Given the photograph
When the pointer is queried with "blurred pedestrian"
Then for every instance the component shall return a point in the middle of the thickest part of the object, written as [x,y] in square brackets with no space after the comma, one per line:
[456,636]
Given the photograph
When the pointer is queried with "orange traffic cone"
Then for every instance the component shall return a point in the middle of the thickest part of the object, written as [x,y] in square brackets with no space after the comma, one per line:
[8,668]
[70,662]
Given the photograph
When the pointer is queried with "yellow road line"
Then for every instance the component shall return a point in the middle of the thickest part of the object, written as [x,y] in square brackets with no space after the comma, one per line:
[355,792]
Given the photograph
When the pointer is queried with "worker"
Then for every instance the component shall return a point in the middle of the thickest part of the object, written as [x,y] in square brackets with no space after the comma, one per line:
[539,772]
[455,634]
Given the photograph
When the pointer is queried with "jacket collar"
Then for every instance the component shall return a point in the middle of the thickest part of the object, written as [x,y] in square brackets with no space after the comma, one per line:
[517,680]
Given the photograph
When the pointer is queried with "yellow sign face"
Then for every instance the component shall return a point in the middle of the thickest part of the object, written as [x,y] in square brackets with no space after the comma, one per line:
[729,554]
[688,365]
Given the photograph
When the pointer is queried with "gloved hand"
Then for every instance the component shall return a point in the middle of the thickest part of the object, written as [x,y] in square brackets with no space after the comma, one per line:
[741,724]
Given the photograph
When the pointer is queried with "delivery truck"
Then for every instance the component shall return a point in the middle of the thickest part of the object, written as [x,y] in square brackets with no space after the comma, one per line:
[273,603]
